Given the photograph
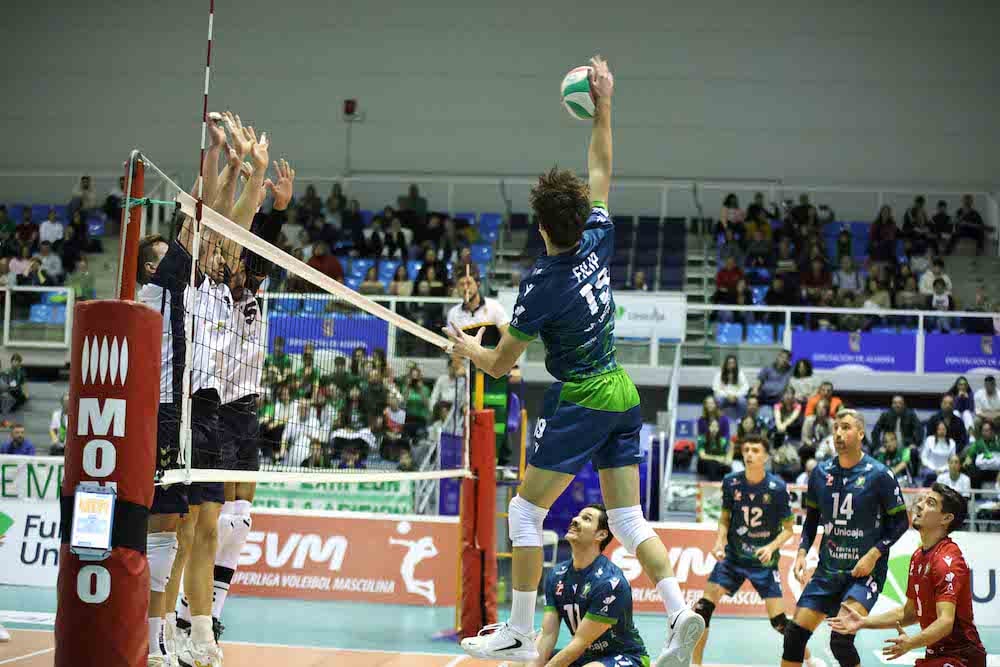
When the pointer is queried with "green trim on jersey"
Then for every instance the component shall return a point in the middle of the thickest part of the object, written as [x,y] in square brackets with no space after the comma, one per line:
[613,391]
[597,203]
[550,608]
[520,335]
[601,619]
[896,510]
[811,503]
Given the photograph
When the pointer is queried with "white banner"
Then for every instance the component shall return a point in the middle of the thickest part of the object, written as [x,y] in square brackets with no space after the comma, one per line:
[29,543]
[638,315]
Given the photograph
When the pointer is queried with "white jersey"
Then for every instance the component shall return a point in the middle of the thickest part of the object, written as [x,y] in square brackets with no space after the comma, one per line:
[213,313]
[243,360]
[489,314]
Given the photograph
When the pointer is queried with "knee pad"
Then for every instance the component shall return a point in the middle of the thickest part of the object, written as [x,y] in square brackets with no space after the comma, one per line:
[796,638]
[704,608]
[779,623]
[161,550]
[630,527]
[233,532]
[524,521]
[843,649]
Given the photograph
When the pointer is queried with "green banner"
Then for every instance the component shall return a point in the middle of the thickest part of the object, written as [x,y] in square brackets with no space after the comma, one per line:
[382,497]
[33,478]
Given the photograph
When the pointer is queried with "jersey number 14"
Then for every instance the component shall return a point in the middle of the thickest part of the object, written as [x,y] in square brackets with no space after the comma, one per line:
[587,291]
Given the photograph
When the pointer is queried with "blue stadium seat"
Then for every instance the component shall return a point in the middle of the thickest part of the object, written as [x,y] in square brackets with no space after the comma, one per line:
[481,252]
[760,334]
[57,314]
[354,282]
[860,230]
[884,330]
[366,217]
[729,333]
[95,227]
[490,221]
[287,304]
[387,269]
[40,212]
[40,313]
[316,306]
[758,292]
[483,270]
[449,268]
[359,267]
[468,217]
[62,213]
[15,211]
[781,334]
[489,235]
[413,268]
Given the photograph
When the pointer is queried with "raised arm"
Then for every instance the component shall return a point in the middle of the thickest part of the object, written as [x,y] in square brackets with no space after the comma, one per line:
[602,84]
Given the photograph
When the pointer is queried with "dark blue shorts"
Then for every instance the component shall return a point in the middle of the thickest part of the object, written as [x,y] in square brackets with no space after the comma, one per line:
[206,492]
[827,590]
[568,435]
[620,660]
[239,433]
[171,499]
[765,580]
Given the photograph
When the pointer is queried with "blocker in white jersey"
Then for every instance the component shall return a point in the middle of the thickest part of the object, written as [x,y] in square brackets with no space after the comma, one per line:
[243,365]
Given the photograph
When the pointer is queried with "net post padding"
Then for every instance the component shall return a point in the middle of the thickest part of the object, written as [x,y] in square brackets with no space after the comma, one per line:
[131,227]
[478,525]
[114,392]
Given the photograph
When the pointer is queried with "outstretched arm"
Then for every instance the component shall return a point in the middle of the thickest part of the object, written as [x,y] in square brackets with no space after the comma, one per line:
[602,84]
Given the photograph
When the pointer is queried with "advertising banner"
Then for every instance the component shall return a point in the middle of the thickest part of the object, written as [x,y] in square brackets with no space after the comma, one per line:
[333,333]
[30,478]
[339,556]
[29,543]
[959,354]
[857,351]
[394,497]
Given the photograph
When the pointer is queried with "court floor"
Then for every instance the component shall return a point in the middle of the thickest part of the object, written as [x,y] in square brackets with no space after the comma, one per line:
[299,633]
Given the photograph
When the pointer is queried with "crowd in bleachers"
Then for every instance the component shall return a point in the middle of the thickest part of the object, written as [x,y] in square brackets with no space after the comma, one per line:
[804,258]
[795,410]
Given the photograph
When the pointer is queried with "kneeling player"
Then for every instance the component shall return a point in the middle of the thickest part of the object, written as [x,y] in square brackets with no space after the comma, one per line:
[756,521]
[592,596]
[938,594]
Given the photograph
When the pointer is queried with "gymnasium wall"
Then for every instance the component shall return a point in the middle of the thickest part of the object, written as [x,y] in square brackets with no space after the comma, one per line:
[846,92]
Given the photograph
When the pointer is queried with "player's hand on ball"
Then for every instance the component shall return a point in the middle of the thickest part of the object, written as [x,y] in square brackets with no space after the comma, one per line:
[216,132]
[896,647]
[863,567]
[464,345]
[602,81]
[764,555]
[848,622]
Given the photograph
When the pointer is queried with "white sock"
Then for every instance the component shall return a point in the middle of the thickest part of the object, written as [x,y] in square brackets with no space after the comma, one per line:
[227,507]
[184,610]
[155,636]
[201,630]
[170,625]
[522,611]
[242,507]
[670,591]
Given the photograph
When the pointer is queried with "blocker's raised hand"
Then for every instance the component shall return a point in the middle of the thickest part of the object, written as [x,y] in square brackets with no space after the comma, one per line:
[240,136]
[282,189]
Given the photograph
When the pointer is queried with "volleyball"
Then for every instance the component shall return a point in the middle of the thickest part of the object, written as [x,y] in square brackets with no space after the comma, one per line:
[575,92]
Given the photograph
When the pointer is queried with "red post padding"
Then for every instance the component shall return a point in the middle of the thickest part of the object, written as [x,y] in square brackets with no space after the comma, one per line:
[130,231]
[114,394]
[479,559]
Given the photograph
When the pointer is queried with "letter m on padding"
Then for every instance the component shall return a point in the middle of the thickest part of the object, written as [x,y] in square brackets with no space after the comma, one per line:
[94,420]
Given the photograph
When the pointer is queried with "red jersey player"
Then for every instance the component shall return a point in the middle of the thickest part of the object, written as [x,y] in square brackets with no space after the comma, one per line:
[938,594]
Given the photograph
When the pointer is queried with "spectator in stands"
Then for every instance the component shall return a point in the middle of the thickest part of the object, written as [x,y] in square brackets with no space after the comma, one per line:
[715,453]
[452,242]
[757,221]
[982,457]
[788,418]
[916,232]
[807,468]
[815,281]
[26,233]
[401,284]
[731,248]
[953,422]
[16,379]
[893,456]
[57,427]
[965,404]
[300,434]
[876,297]
[882,236]
[638,283]
[760,250]
[942,226]
[336,202]
[51,230]
[413,203]
[803,215]
[942,301]
[307,210]
[82,281]
[981,304]
[785,459]
[847,276]
[113,202]
[803,381]
[763,424]
[898,281]
[786,264]
[431,261]
[772,380]
[731,217]
[987,402]
[69,248]
[710,412]
[834,404]
[730,387]
[18,444]
[435,284]
[817,427]
[36,276]
[969,224]
[934,455]
[326,263]
[910,297]
[371,284]
[726,282]
[396,245]
[901,421]
[847,321]
[277,365]
[417,398]
[936,272]
[452,389]
[84,196]
[955,478]
[50,262]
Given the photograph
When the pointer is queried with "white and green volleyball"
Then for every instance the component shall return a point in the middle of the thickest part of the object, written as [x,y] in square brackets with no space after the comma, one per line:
[575,92]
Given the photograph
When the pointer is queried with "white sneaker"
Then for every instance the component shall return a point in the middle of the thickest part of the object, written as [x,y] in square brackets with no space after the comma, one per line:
[162,661]
[683,632]
[499,641]
[200,655]
[813,662]
[4,635]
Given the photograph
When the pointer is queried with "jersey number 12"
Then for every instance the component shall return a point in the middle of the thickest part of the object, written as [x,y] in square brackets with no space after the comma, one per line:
[587,291]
